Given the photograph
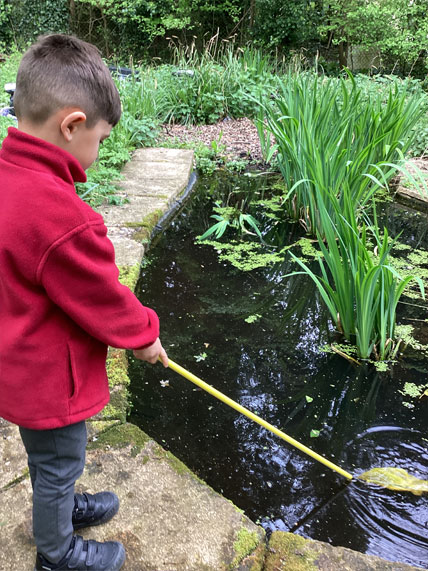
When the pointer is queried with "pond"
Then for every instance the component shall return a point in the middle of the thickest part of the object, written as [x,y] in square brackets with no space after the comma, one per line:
[258,337]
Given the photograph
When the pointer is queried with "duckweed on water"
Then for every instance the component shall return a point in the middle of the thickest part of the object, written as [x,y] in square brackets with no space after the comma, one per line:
[246,256]
[405,332]
[415,262]
[413,390]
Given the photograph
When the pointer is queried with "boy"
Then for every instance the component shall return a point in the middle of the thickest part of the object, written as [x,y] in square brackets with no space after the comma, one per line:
[61,303]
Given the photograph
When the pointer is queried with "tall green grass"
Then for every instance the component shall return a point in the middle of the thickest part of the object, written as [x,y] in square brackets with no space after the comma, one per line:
[332,140]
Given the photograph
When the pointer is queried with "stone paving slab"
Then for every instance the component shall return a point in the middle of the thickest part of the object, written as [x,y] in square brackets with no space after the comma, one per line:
[419,169]
[288,551]
[169,520]
[152,180]
[13,459]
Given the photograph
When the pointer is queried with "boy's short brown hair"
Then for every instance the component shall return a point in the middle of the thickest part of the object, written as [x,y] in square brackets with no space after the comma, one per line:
[63,71]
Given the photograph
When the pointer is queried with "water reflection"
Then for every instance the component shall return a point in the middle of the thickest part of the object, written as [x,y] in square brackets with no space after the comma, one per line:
[274,367]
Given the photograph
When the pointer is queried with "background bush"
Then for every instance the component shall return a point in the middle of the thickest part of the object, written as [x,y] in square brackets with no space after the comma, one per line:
[395,31]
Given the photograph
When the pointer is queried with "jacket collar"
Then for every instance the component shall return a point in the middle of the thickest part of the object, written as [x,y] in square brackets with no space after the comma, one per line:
[37,154]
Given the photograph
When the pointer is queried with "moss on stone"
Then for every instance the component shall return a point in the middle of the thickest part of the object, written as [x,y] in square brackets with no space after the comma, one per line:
[128,275]
[117,373]
[118,407]
[289,551]
[177,465]
[117,368]
[145,226]
[142,235]
[245,545]
[120,436]
[96,427]
[25,473]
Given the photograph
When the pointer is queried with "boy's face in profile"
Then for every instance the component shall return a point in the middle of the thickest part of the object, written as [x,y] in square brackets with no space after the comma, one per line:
[85,143]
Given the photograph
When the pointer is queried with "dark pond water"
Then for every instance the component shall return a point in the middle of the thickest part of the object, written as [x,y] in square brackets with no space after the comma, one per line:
[274,367]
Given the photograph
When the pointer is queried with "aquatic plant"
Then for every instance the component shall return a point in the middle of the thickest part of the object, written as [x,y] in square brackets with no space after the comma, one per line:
[331,140]
[231,217]
[357,283]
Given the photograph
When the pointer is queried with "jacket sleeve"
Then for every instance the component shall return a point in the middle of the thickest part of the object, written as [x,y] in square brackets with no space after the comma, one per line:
[79,274]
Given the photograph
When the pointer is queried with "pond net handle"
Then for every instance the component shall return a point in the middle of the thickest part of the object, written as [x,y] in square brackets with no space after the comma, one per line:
[206,387]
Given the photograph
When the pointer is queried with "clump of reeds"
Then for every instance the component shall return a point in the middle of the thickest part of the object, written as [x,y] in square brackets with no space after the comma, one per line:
[330,140]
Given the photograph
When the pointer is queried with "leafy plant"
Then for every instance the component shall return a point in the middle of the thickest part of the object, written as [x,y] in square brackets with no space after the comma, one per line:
[231,217]
[267,146]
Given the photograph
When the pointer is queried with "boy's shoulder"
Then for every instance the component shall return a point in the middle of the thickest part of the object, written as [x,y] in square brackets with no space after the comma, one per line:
[39,205]
[38,178]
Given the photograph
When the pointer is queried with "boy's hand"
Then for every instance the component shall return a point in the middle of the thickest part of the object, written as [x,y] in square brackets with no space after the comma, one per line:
[152,353]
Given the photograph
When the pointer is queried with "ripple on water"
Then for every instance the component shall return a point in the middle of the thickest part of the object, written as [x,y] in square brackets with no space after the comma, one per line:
[392,525]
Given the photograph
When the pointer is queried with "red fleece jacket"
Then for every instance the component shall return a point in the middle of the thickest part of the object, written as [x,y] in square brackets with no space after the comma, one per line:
[61,303]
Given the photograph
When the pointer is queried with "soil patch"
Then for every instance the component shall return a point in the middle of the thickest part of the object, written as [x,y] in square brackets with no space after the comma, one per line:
[239,137]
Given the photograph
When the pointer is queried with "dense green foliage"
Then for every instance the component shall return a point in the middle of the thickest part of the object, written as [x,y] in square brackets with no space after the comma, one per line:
[389,34]
[396,29]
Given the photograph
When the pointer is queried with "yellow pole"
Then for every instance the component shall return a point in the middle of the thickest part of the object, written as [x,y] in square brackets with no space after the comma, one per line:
[203,385]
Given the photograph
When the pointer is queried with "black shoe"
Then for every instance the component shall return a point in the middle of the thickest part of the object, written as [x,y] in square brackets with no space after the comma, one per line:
[87,555]
[94,509]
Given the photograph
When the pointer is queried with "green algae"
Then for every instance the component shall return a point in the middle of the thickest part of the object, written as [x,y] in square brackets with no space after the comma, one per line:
[121,436]
[128,275]
[413,263]
[245,545]
[405,332]
[382,366]
[414,391]
[246,256]
[308,249]
[395,479]
[289,551]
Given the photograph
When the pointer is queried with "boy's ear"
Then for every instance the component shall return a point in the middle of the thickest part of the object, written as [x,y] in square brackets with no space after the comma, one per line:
[70,124]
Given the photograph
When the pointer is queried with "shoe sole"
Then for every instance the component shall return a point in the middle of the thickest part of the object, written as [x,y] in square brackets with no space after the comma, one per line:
[115,565]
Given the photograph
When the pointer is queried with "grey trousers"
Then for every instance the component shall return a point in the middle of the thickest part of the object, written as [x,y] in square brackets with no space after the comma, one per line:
[56,459]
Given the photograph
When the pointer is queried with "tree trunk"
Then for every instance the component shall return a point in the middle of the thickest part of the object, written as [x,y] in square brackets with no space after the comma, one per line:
[72,14]
[343,54]
[252,13]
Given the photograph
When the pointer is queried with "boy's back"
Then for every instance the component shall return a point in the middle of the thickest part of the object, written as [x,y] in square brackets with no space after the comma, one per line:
[41,220]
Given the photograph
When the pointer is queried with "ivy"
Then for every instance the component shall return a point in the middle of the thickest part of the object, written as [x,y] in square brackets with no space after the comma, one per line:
[22,21]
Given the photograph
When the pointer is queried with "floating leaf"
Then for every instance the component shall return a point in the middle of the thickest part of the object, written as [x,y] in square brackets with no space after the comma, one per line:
[252,318]
[308,398]
[314,433]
